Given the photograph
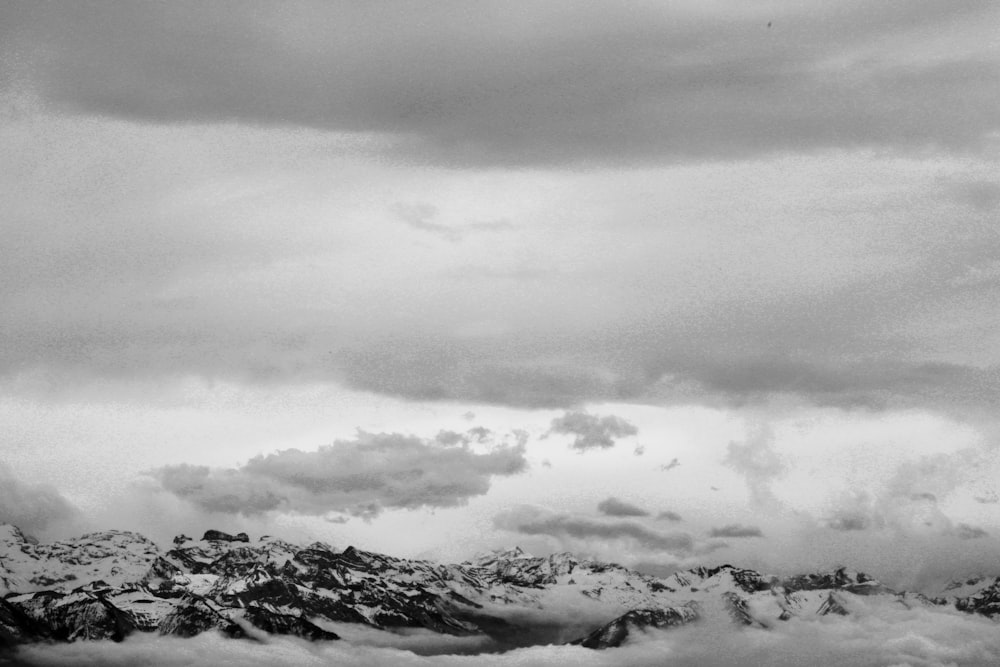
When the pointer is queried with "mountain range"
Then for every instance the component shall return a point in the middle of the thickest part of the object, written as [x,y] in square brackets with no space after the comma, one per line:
[109,585]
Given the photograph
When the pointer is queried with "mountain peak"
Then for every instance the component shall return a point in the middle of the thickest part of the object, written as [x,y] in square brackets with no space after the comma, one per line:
[505,553]
[112,583]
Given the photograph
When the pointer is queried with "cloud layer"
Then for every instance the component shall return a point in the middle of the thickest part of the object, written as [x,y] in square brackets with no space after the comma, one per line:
[872,636]
[528,83]
[215,184]
[361,477]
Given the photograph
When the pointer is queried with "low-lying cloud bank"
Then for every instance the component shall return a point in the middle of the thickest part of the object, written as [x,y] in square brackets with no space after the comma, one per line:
[873,635]
[361,477]
[617,507]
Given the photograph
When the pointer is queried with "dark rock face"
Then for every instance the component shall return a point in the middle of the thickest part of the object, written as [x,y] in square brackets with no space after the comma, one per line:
[617,631]
[749,581]
[195,616]
[218,535]
[286,624]
[78,616]
[986,602]
[858,583]
[832,605]
[738,609]
[17,627]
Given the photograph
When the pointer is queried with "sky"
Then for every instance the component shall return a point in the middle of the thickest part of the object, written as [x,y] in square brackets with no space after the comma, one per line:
[666,283]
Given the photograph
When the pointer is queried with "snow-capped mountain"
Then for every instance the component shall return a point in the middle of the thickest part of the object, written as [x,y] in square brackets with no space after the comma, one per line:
[108,585]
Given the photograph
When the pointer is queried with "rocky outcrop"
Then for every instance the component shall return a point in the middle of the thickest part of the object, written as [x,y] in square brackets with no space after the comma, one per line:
[195,616]
[617,631]
[286,624]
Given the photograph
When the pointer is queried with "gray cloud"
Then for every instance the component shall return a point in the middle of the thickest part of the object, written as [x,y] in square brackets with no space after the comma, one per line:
[421,216]
[119,266]
[473,435]
[670,466]
[530,83]
[591,431]
[849,521]
[424,217]
[981,195]
[615,507]
[32,507]
[531,521]
[967,532]
[736,530]
[460,369]
[360,477]
[668,515]
[667,367]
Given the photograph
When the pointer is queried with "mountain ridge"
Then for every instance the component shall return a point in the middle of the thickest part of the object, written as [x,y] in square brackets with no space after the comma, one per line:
[111,584]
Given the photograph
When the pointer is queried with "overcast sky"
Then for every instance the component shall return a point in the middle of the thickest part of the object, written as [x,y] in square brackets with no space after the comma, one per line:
[665,282]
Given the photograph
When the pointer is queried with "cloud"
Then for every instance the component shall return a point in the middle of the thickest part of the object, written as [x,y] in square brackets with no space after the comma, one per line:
[910,497]
[759,464]
[476,434]
[981,195]
[197,125]
[421,216]
[967,532]
[615,507]
[424,217]
[668,515]
[453,368]
[988,498]
[736,530]
[873,635]
[32,507]
[198,294]
[361,477]
[528,84]
[978,276]
[592,431]
[670,466]
[532,521]
[847,521]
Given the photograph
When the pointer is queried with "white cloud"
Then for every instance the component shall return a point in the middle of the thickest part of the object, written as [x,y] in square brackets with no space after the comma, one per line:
[33,508]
